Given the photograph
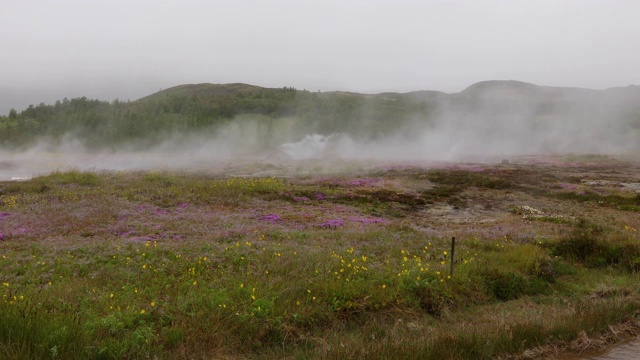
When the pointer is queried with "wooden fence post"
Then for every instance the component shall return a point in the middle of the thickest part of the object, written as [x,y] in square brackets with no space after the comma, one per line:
[453,250]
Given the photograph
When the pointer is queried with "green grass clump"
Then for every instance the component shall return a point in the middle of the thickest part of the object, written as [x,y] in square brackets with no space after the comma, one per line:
[593,246]
[82,178]
[471,178]
[626,203]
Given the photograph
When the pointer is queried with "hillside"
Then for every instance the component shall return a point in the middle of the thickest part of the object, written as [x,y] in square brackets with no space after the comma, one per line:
[568,117]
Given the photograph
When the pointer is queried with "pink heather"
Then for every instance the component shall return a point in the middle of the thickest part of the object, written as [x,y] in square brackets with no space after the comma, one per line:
[269,217]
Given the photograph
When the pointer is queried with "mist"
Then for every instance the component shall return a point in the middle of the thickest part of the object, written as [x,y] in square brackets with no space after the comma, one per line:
[488,121]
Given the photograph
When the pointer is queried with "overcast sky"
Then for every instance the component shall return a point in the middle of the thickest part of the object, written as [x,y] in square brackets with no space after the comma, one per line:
[126,49]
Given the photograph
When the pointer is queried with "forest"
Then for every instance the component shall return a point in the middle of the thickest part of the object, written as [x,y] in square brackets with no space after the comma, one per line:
[205,107]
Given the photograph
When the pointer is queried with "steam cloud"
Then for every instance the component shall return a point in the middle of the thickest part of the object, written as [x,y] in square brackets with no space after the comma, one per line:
[496,123]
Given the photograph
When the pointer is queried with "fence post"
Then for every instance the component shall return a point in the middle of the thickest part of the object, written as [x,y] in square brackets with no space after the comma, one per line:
[453,250]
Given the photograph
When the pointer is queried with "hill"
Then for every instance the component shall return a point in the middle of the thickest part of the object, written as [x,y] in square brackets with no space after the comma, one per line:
[549,114]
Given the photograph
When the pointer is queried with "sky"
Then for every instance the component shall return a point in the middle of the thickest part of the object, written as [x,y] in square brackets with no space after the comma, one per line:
[127,49]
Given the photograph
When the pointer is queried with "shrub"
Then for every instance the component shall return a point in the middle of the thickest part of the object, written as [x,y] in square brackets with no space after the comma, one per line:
[587,243]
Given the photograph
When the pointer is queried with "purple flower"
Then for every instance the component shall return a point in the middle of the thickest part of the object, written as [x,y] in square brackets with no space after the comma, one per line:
[4,214]
[320,196]
[300,198]
[269,217]
[23,230]
[363,182]
[142,207]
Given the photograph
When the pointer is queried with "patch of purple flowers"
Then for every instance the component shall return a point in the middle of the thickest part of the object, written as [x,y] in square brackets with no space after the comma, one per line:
[22,230]
[4,214]
[300,198]
[320,196]
[269,217]
[143,207]
[363,182]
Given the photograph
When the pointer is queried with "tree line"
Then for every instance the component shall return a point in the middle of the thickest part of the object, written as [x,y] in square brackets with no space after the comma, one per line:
[100,124]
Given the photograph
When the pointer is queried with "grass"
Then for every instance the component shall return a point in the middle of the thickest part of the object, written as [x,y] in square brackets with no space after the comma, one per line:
[173,265]
[626,203]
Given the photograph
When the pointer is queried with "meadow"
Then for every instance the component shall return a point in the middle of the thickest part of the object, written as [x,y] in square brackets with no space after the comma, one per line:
[275,262]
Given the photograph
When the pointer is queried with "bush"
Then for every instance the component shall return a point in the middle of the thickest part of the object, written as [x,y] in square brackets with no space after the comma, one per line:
[506,286]
[587,244]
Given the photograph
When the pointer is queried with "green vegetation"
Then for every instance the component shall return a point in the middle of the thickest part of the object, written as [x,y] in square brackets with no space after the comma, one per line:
[593,246]
[173,265]
[206,108]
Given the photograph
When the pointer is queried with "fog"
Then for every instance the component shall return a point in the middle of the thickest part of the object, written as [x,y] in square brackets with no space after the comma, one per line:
[128,49]
[487,122]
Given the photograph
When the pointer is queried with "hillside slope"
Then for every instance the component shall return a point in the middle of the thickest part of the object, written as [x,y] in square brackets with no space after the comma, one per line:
[502,115]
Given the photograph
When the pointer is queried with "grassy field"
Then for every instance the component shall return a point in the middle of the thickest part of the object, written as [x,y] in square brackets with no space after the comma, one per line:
[346,264]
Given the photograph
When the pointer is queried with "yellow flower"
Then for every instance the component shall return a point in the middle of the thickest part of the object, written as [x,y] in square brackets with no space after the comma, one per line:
[153,303]
[195,282]
[142,312]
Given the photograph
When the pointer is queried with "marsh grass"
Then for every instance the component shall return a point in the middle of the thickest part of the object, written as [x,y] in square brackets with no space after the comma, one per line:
[596,246]
[483,179]
[137,265]
[626,203]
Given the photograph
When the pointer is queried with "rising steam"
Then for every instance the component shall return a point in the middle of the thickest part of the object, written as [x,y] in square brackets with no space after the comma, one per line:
[479,122]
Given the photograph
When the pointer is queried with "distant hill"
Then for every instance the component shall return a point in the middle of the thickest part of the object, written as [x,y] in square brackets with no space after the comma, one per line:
[213,91]
[553,116]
